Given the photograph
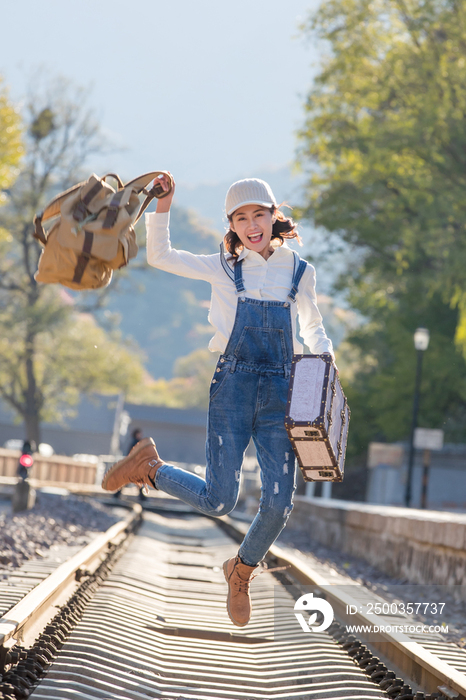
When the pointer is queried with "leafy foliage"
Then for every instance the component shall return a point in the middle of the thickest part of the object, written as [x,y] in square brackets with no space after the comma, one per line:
[48,352]
[386,127]
[11,146]
[71,354]
[188,388]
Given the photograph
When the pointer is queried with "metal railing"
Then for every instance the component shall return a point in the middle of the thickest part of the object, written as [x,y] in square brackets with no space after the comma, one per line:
[56,469]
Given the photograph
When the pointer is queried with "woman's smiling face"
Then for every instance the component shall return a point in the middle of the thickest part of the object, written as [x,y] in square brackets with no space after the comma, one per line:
[252,224]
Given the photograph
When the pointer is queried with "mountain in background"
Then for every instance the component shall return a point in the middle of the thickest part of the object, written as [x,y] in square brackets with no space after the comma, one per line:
[208,200]
[167,314]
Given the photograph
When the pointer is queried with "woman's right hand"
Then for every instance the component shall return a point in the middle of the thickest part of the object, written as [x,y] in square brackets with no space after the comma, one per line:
[164,204]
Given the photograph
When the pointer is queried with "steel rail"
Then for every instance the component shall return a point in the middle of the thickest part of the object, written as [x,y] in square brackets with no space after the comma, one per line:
[157,626]
[424,667]
[28,611]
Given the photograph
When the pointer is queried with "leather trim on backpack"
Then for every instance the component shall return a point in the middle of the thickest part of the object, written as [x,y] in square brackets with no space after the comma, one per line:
[80,211]
[39,232]
[83,259]
[112,211]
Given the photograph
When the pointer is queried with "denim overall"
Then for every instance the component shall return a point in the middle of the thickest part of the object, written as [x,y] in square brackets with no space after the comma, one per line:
[248,396]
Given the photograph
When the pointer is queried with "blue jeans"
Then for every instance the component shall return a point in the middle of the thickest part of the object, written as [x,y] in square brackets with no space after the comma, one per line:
[248,396]
[242,404]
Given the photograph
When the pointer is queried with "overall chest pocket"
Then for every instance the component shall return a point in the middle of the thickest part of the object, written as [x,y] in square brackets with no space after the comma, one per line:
[261,346]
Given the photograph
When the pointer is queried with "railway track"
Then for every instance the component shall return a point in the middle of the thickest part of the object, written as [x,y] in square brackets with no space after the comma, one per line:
[22,580]
[148,620]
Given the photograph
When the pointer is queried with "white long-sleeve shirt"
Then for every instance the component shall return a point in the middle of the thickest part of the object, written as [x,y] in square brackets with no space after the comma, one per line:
[264,280]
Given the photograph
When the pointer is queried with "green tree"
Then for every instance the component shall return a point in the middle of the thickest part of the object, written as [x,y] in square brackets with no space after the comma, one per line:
[48,352]
[189,388]
[72,355]
[11,147]
[385,143]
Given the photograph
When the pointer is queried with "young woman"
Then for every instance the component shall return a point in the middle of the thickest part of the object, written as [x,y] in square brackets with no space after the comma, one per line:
[259,285]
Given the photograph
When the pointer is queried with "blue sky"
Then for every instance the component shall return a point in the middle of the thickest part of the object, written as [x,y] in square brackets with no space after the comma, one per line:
[210,90]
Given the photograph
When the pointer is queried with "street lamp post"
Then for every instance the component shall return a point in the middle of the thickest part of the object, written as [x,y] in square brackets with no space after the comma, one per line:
[421,343]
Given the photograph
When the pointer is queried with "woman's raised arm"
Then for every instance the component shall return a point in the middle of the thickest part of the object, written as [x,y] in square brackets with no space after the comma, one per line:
[160,253]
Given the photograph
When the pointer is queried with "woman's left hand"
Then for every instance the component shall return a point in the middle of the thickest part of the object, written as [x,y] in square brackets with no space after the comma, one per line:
[164,204]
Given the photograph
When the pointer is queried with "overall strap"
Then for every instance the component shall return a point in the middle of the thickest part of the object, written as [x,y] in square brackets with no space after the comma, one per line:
[236,276]
[299,266]
[239,277]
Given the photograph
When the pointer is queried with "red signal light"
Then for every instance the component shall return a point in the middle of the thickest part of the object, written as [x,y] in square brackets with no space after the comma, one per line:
[26,461]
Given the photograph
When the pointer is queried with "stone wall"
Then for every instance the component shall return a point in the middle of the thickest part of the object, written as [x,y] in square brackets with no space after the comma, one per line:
[420,546]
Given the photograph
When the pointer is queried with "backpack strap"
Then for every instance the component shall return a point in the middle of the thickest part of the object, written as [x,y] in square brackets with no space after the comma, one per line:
[83,257]
[39,232]
[80,211]
[139,184]
[113,209]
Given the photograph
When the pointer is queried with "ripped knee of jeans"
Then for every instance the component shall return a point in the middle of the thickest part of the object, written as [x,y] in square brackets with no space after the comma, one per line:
[279,508]
[222,508]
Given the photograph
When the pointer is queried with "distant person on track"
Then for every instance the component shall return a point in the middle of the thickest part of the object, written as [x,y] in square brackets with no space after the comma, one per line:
[256,280]
[136,436]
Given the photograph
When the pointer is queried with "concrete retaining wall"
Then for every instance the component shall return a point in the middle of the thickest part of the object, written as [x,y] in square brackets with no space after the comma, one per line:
[420,546]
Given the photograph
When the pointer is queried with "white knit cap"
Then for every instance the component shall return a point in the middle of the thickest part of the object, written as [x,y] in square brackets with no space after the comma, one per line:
[250,191]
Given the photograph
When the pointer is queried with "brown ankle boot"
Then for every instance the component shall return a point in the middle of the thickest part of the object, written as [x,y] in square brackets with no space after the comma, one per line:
[139,467]
[238,576]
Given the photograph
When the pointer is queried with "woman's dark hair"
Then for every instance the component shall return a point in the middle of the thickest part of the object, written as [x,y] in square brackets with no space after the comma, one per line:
[284,227]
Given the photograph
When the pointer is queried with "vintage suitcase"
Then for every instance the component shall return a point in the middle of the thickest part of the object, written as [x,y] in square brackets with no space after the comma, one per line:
[317,418]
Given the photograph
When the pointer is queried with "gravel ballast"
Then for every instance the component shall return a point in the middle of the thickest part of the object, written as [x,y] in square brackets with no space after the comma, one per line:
[55,520]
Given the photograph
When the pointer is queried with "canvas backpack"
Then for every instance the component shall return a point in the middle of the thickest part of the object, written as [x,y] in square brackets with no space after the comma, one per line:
[94,231]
